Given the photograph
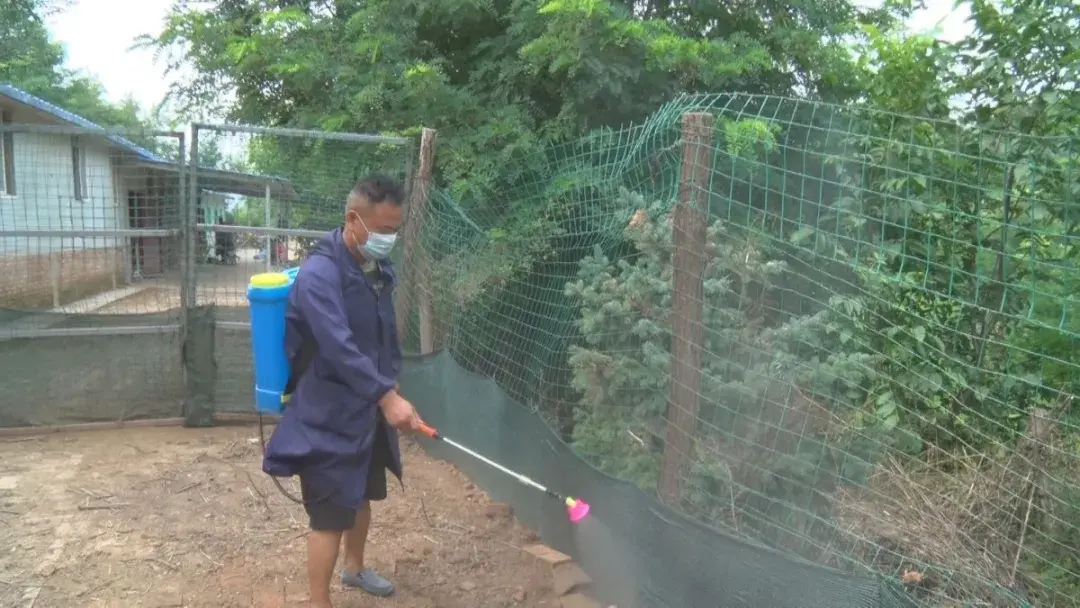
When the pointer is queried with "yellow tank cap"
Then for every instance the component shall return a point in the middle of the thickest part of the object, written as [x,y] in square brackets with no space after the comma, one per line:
[269,279]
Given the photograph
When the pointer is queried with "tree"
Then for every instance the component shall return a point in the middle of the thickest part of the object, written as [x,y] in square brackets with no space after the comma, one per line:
[963,204]
[766,413]
[499,79]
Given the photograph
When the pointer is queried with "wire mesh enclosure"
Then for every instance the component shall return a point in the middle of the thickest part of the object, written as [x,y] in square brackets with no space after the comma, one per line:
[114,245]
[90,224]
[815,355]
[844,334]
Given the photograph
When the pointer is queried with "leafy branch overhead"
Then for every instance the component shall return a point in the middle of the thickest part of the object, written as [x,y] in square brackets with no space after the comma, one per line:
[498,79]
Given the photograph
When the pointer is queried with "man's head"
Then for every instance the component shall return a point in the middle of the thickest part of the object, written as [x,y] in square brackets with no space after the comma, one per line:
[373,215]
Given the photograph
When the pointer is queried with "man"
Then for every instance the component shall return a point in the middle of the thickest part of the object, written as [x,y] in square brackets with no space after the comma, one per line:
[339,431]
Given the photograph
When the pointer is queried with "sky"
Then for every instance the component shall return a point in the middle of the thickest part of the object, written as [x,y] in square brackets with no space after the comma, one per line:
[98,34]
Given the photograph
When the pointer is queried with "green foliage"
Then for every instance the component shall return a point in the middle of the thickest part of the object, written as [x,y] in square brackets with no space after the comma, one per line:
[947,309]
[766,409]
[499,80]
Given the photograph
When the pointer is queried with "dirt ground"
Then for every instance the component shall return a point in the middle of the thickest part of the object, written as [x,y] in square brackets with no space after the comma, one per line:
[151,299]
[215,284]
[184,517]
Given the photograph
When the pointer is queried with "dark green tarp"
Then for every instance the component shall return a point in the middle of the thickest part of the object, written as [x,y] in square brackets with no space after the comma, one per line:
[638,551]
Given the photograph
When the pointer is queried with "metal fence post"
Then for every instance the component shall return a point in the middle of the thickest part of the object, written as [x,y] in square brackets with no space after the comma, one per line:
[198,323]
[190,220]
[268,240]
[184,198]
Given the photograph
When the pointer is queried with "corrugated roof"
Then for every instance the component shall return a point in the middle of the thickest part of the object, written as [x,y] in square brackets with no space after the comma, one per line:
[20,96]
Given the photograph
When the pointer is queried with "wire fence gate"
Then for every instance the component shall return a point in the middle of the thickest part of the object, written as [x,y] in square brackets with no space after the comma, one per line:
[125,257]
[89,220]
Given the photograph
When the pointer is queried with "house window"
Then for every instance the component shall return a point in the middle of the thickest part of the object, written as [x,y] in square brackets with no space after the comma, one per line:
[78,168]
[7,157]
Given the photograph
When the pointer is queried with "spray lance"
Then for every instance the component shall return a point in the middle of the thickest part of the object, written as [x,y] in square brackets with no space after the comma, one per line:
[576,508]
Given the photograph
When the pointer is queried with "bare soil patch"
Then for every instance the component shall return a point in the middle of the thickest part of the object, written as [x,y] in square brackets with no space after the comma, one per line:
[185,517]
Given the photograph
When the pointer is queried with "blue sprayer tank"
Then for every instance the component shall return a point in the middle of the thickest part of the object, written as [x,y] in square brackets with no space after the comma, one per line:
[268,295]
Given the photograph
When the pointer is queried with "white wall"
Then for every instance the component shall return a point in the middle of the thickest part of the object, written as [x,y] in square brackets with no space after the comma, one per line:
[45,195]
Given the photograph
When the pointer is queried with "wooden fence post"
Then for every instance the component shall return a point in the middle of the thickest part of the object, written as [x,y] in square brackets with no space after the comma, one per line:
[417,275]
[688,263]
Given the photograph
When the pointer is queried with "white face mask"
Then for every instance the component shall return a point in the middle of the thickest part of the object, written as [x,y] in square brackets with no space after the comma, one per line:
[378,246]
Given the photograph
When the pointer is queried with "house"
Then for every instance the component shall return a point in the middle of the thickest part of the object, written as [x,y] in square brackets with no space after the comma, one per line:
[66,200]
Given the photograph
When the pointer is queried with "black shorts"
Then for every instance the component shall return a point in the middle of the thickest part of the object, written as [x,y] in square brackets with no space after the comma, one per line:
[324,514]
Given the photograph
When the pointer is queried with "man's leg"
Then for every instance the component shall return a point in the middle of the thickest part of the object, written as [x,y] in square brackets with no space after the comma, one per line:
[328,523]
[322,552]
[356,573]
[356,539]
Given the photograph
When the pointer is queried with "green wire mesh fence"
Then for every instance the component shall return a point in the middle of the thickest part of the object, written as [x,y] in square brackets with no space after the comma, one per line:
[843,334]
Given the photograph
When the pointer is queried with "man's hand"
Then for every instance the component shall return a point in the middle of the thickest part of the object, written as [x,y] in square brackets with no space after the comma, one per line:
[399,413]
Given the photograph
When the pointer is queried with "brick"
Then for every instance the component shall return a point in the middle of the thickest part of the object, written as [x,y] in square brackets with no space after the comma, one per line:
[547,555]
[26,280]
[568,577]
[499,511]
[577,600]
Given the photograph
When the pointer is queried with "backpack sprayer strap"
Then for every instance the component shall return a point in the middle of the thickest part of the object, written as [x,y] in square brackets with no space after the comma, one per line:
[299,364]
[297,367]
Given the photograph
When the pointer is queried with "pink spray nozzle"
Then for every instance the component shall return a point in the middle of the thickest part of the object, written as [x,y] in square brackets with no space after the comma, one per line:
[577,509]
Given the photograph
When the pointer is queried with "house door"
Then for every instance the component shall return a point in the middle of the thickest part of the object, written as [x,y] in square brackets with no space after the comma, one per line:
[146,251]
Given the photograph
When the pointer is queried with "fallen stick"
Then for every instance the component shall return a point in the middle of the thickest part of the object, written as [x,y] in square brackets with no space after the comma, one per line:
[102,507]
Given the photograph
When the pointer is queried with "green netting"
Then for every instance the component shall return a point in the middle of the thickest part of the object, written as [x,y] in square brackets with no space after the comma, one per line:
[888,352]
[90,220]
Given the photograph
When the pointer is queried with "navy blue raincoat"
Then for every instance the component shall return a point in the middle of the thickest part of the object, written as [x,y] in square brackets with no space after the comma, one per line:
[328,428]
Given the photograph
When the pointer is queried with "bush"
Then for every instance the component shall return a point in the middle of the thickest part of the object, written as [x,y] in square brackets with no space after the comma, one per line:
[768,442]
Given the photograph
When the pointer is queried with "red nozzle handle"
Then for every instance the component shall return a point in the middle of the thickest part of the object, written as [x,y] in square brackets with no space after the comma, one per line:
[430,431]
